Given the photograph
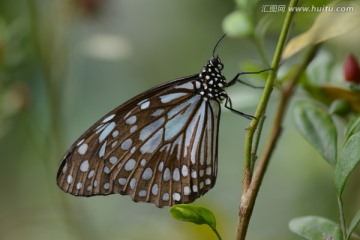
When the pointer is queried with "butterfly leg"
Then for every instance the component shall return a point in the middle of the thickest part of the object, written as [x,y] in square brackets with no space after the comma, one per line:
[228,105]
[236,78]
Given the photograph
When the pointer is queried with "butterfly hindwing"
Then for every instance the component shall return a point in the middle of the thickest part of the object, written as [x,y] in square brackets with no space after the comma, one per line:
[159,147]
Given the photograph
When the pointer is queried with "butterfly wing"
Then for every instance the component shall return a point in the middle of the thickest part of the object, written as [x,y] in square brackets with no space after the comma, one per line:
[158,147]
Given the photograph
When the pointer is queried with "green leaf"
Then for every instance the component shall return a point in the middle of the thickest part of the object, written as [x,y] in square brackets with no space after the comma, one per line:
[194,214]
[316,125]
[354,127]
[238,24]
[316,228]
[354,222]
[349,158]
[328,24]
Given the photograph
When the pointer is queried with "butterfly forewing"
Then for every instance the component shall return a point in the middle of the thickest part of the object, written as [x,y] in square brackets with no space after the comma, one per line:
[159,147]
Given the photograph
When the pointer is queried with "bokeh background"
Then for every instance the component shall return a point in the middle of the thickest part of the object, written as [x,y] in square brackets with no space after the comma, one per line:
[64,64]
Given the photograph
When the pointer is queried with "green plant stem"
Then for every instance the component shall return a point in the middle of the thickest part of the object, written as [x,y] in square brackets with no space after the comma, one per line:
[216,232]
[256,144]
[252,181]
[265,97]
[342,217]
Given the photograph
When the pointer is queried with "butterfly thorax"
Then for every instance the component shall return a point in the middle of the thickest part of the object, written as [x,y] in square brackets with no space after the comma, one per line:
[211,83]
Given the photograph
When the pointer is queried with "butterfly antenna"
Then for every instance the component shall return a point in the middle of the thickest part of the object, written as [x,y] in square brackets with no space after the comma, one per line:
[218,44]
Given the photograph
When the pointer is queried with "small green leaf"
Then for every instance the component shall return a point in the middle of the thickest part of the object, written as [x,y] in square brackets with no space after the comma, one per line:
[316,228]
[349,158]
[316,125]
[238,24]
[194,214]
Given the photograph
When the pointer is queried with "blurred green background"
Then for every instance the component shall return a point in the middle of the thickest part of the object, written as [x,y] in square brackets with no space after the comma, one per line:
[64,64]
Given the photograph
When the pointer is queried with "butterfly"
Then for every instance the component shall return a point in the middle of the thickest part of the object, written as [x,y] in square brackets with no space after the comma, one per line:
[159,147]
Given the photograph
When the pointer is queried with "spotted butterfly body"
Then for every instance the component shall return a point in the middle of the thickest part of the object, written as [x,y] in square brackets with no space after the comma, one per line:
[158,147]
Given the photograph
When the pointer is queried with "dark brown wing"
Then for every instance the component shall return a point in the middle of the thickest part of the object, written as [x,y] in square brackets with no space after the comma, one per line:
[158,147]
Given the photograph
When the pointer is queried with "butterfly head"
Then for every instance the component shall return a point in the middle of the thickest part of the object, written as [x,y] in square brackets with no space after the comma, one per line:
[216,62]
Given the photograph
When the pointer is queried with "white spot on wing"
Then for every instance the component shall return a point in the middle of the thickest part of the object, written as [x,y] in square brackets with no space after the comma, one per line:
[91,174]
[80,142]
[199,118]
[158,112]
[187,190]
[176,196]
[115,133]
[65,168]
[133,129]
[170,97]
[176,174]
[113,160]
[114,144]
[153,143]
[155,189]
[143,162]
[102,150]
[130,164]
[69,179]
[108,118]
[145,105]
[100,128]
[166,197]
[208,171]
[188,85]
[106,186]
[207,181]
[142,193]
[166,175]
[151,128]
[133,183]
[184,170]
[122,181]
[126,144]
[147,174]
[106,131]
[161,166]
[131,120]
[194,174]
[106,169]
[82,149]
[84,166]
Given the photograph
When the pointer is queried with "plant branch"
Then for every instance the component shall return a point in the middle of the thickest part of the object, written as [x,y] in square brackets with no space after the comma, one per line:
[265,97]
[250,191]
[249,197]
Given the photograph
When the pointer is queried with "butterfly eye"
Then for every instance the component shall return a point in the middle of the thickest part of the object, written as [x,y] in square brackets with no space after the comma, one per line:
[215,61]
